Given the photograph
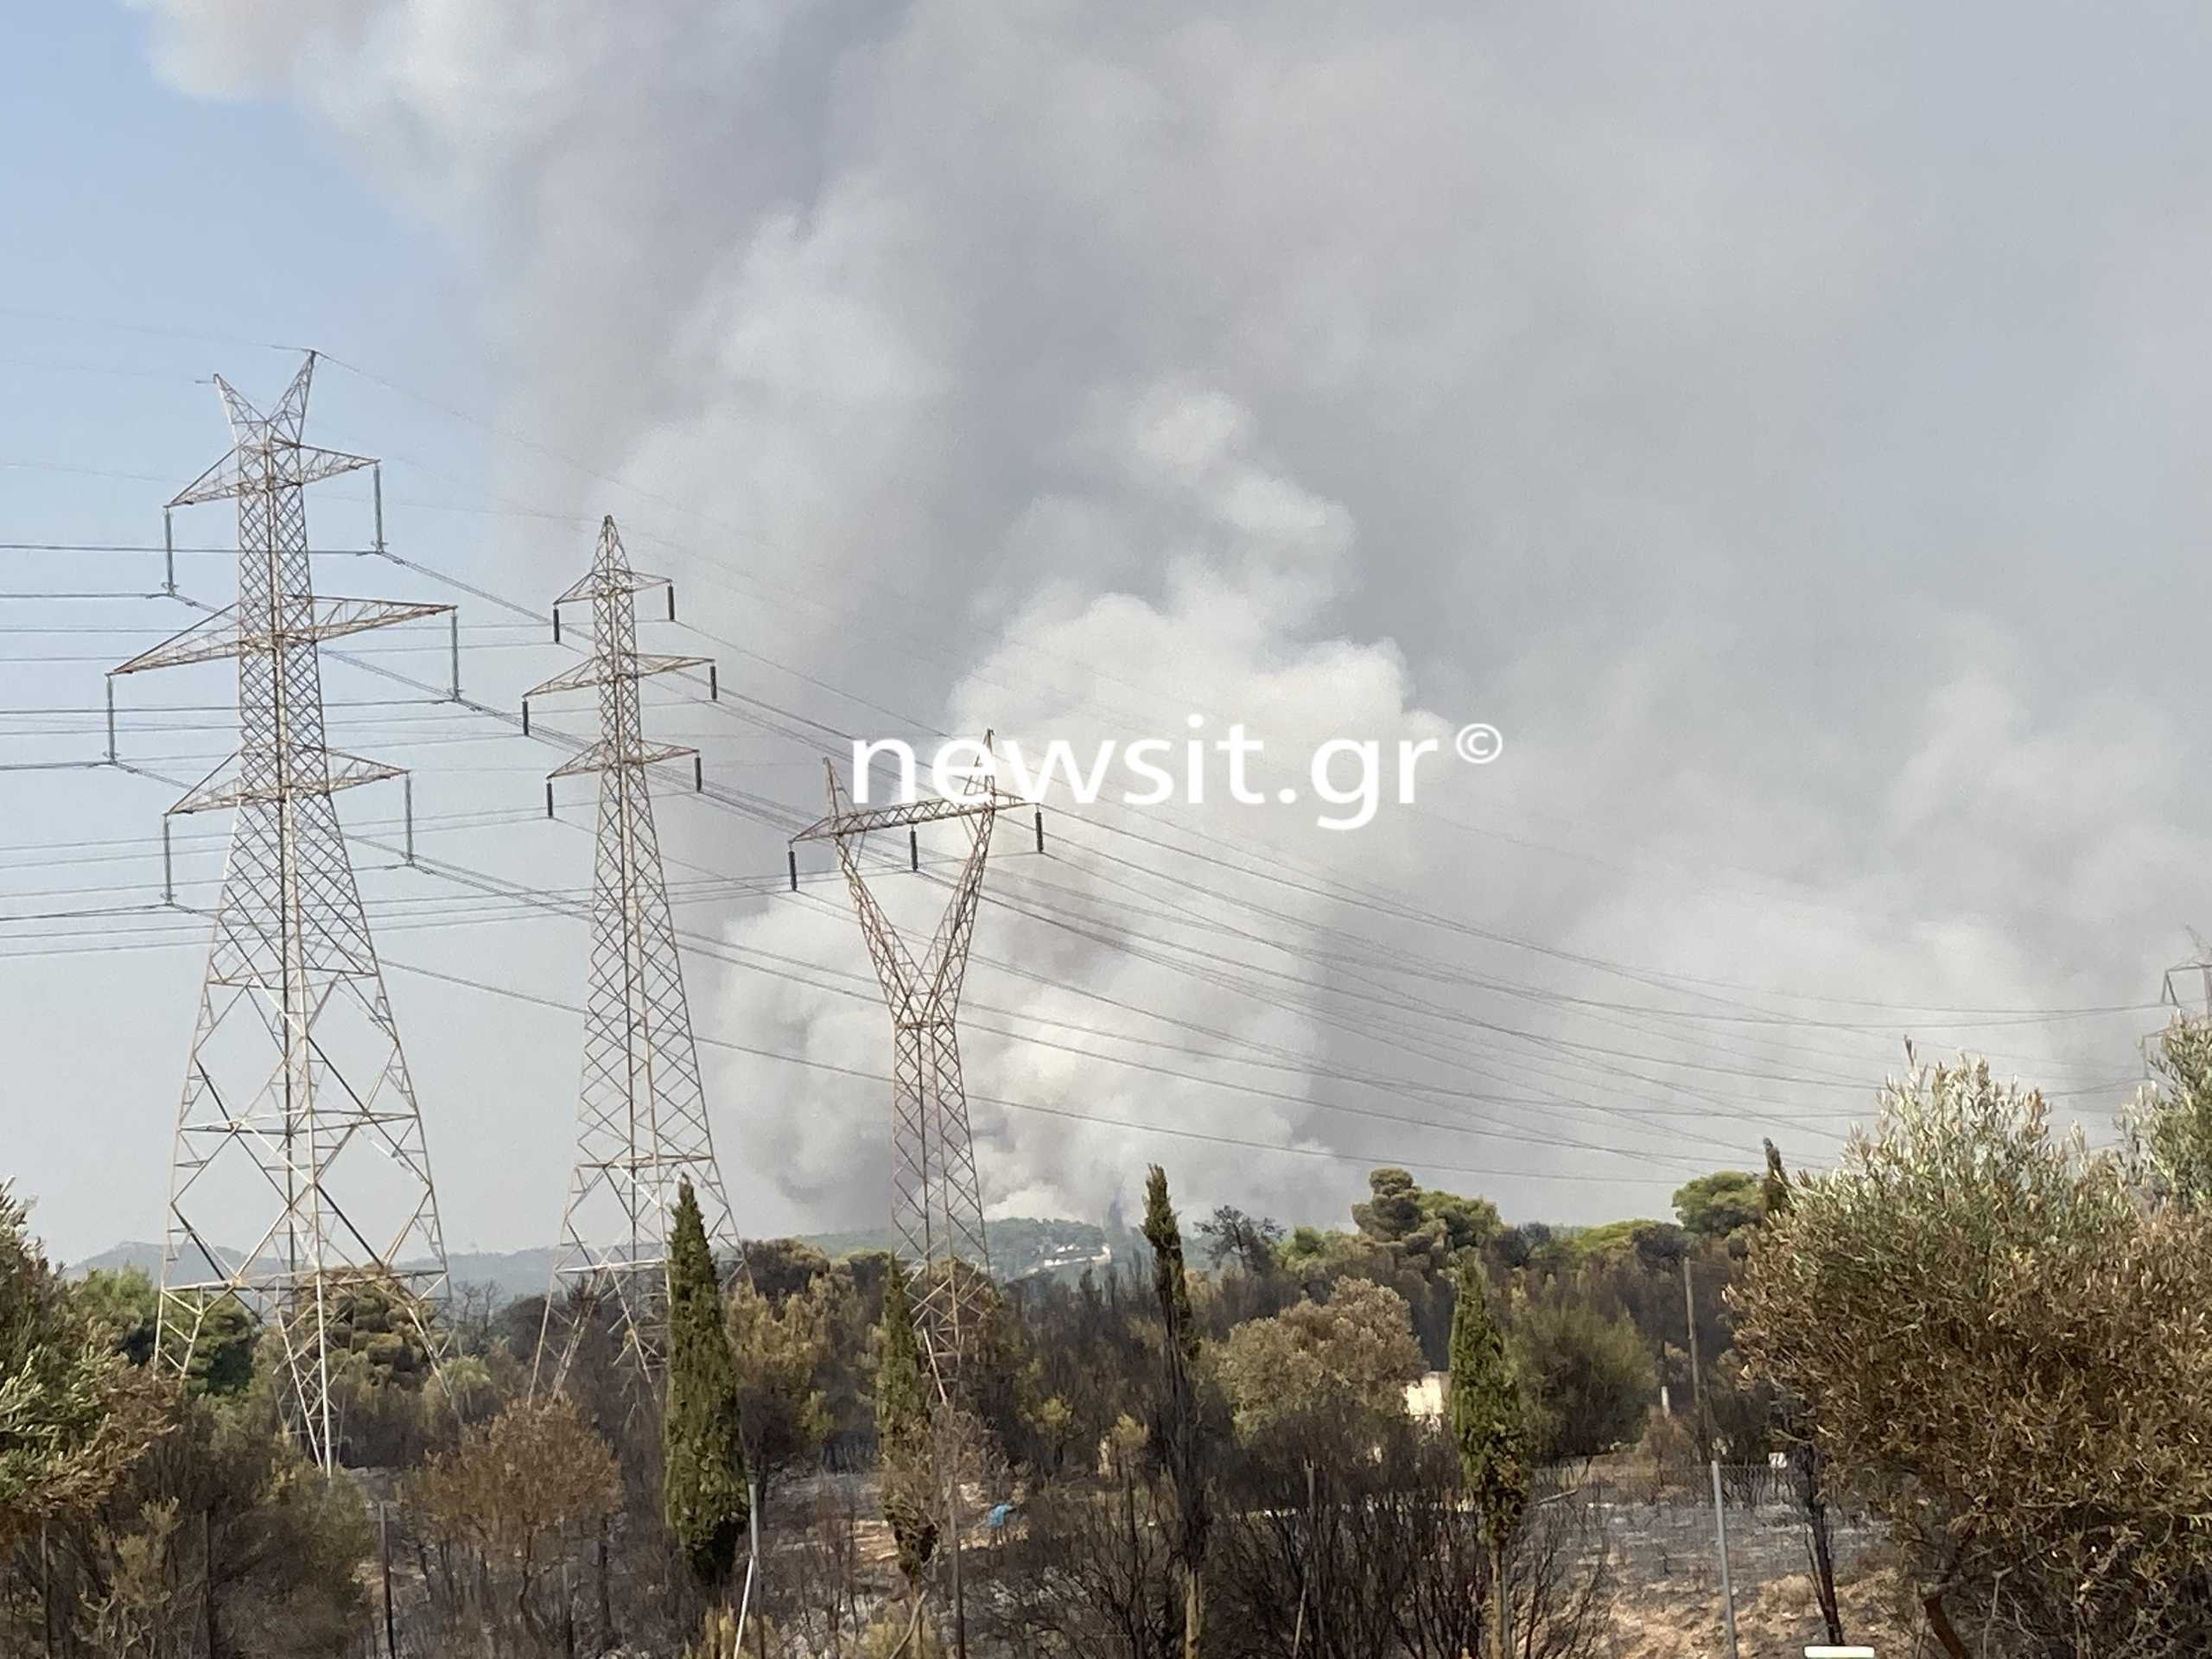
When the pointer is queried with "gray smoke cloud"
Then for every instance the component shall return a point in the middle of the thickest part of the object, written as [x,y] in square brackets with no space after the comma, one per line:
[1781,423]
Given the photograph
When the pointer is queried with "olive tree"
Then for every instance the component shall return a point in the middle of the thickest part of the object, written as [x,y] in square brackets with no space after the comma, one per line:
[2169,1127]
[1348,1358]
[75,1413]
[2005,1353]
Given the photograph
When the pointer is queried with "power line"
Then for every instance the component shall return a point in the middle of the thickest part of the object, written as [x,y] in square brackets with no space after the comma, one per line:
[788,725]
[1367,1159]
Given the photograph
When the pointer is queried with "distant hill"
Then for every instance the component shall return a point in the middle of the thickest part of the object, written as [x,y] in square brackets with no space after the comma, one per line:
[1021,1247]
[514,1273]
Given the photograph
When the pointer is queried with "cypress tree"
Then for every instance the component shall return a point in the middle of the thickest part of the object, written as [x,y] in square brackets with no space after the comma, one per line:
[1774,1190]
[1808,1463]
[1178,1437]
[1169,1282]
[902,1431]
[1490,1427]
[704,1486]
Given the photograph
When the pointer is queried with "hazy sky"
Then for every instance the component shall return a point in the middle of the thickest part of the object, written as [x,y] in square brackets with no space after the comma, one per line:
[1783,423]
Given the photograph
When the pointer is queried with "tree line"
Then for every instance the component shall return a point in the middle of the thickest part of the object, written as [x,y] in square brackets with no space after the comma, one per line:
[1977,1329]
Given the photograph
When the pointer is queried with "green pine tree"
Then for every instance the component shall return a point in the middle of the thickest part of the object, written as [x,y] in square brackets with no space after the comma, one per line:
[1490,1423]
[1178,1436]
[902,1431]
[705,1494]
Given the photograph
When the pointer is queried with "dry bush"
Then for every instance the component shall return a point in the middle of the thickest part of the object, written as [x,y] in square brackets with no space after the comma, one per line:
[1382,1555]
[531,1476]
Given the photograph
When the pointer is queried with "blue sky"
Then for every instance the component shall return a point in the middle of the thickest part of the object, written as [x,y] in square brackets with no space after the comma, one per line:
[176,233]
[205,224]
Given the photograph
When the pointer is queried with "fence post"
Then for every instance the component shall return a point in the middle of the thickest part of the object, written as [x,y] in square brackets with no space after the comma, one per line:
[606,1595]
[1720,1531]
[752,1506]
[1697,1375]
[384,1557]
[752,1569]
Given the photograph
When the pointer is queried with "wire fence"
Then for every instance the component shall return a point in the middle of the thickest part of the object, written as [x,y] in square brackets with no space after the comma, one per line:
[1649,1532]
[1659,1530]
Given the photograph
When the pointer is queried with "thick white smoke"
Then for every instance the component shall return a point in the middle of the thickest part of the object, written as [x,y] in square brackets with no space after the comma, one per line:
[1621,381]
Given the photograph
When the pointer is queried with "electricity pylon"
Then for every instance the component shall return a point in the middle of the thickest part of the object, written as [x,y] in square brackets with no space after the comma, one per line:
[641,1114]
[937,1203]
[298,1136]
[2185,1000]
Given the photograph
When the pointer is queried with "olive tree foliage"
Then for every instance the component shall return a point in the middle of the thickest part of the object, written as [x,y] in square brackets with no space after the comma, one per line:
[2004,1353]
[2168,1129]
[1350,1357]
[75,1413]
[220,1535]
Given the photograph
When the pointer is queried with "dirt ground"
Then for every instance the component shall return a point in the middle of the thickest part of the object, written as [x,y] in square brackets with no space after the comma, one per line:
[1777,1621]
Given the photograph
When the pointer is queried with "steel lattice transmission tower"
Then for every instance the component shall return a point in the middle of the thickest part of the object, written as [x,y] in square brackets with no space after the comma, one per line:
[300,1177]
[2184,1001]
[641,1115]
[936,1202]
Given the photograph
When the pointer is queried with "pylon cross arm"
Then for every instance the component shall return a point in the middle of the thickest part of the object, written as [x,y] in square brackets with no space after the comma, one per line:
[208,641]
[610,584]
[223,788]
[336,618]
[245,469]
[602,755]
[604,668]
[221,635]
[862,820]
